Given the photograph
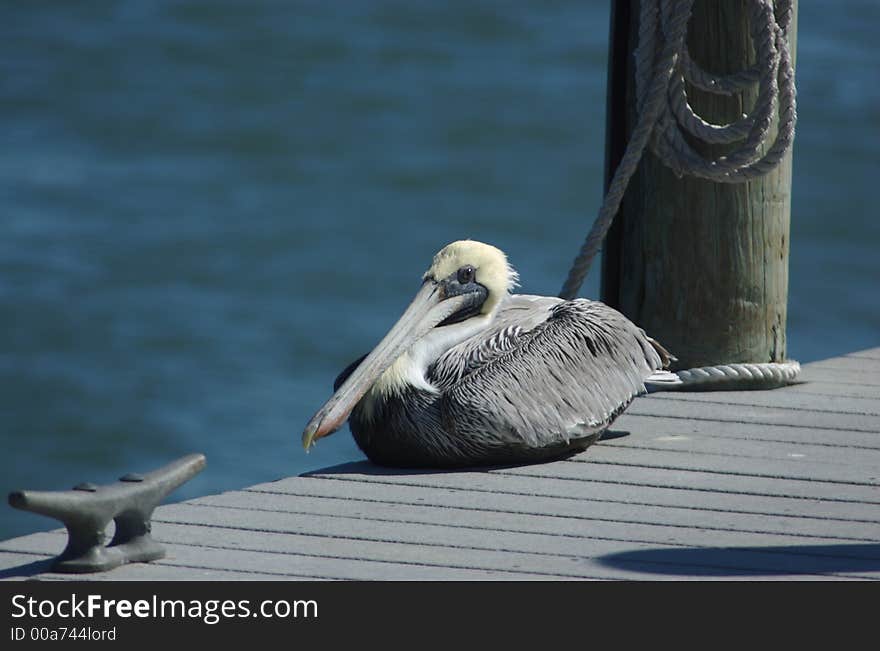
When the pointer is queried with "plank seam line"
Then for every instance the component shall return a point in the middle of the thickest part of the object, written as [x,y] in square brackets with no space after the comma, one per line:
[635,444]
[550,515]
[170,562]
[728,437]
[859,393]
[624,443]
[756,422]
[635,412]
[584,519]
[54,576]
[835,396]
[170,541]
[705,472]
[387,562]
[595,481]
[827,380]
[393,541]
[732,473]
[166,562]
[858,371]
[863,354]
[683,397]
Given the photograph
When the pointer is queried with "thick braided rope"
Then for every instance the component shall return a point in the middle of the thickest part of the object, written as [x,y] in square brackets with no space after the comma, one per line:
[775,79]
[733,376]
[664,114]
[650,106]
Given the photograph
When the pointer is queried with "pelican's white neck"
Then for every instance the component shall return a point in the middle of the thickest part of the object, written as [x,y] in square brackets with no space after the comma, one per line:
[409,369]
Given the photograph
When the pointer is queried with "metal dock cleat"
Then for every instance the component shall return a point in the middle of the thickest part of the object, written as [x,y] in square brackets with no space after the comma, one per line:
[87,509]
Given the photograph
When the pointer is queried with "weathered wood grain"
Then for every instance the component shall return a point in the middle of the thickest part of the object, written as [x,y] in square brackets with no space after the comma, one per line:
[701,266]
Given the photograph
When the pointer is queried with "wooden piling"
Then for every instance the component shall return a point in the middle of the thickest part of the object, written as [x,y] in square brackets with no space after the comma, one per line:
[701,266]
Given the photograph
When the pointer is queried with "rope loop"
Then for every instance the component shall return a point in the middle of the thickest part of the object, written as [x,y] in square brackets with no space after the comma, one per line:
[662,65]
[774,74]
[665,118]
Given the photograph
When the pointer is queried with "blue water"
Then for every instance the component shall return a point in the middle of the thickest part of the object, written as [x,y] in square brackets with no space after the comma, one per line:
[208,208]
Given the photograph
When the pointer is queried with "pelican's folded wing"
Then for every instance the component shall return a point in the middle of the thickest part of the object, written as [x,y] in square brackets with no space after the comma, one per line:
[565,378]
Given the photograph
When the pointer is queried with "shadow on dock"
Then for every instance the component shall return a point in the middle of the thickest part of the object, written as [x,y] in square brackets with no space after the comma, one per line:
[27,570]
[750,561]
[369,468]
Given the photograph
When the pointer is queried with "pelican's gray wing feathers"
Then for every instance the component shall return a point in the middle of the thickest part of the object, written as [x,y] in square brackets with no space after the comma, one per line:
[551,372]
[518,314]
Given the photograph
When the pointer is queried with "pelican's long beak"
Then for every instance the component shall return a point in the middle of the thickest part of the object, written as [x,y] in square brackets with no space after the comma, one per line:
[429,308]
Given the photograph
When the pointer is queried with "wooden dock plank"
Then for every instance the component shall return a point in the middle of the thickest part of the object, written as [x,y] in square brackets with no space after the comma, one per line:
[870,354]
[542,497]
[641,425]
[841,375]
[778,484]
[285,555]
[691,440]
[594,520]
[864,365]
[509,554]
[576,480]
[822,388]
[757,465]
[795,398]
[664,405]
[597,535]
[707,479]
[15,566]
[273,556]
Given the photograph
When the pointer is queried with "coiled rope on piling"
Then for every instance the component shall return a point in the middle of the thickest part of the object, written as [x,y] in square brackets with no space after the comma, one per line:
[663,64]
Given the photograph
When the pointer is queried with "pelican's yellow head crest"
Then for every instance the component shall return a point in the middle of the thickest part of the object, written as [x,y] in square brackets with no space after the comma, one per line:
[490,265]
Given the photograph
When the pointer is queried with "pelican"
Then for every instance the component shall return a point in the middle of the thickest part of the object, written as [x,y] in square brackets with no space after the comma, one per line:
[472,374]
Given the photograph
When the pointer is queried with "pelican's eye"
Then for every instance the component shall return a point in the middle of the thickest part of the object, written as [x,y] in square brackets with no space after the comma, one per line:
[466,274]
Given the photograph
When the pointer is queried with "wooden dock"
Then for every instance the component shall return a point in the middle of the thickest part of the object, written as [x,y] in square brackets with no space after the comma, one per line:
[780,484]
